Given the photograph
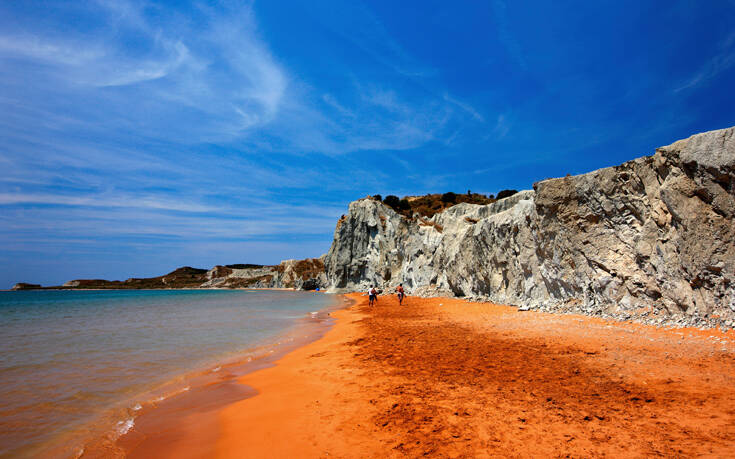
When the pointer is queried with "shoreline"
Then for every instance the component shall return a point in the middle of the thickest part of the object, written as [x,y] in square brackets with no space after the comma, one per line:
[164,420]
[97,435]
[447,377]
[672,322]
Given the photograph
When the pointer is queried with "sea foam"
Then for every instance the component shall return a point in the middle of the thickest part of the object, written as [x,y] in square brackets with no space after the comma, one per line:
[124,427]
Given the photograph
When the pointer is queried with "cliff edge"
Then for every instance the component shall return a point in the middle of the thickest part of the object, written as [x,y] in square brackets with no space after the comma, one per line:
[653,238]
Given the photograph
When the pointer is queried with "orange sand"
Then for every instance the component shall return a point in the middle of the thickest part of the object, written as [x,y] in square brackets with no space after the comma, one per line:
[447,378]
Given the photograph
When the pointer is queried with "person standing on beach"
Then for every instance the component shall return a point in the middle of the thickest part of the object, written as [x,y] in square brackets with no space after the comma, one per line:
[372,295]
[401,294]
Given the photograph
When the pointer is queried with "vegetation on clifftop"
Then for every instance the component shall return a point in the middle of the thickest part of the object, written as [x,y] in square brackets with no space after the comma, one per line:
[430,204]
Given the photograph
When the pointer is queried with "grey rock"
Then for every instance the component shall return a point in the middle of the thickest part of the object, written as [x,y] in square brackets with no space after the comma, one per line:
[307,274]
[653,235]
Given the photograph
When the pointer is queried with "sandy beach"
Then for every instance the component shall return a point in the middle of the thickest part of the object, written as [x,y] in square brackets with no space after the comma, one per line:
[447,378]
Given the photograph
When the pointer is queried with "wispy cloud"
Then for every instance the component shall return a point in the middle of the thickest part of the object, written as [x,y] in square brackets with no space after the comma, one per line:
[502,126]
[507,38]
[140,71]
[392,102]
[216,80]
[98,62]
[53,52]
[466,107]
[151,66]
[137,202]
[332,102]
[359,26]
[104,222]
[721,61]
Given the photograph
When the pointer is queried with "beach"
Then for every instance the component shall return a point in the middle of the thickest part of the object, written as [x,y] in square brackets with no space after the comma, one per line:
[201,201]
[81,368]
[447,378]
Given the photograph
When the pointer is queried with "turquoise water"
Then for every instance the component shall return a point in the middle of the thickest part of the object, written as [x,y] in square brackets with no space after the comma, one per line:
[70,358]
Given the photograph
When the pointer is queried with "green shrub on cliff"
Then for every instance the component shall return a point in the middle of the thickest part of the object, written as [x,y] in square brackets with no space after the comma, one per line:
[392,201]
[430,204]
[506,193]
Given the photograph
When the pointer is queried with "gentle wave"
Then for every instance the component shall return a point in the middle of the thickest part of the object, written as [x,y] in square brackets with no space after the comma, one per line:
[124,427]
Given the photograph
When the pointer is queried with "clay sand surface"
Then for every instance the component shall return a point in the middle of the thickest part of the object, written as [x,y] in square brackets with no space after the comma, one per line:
[447,378]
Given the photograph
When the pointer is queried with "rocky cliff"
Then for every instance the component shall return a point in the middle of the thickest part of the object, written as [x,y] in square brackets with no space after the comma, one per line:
[305,274]
[652,238]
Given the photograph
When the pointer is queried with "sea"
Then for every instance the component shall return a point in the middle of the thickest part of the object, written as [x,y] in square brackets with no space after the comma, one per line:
[75,365]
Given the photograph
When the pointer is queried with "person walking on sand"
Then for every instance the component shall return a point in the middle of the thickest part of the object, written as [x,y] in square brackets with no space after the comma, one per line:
[372,295]
[401,294]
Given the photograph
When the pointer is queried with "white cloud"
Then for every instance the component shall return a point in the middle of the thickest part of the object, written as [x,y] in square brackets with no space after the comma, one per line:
[502,126]
[372,117]
[332,102]
[104,221]
[216,66]
[723,60]
[109,201]
[49,51]
[127,73]
[466,107]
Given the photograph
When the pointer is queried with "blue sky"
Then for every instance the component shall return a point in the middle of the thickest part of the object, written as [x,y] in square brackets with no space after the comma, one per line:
[137,137]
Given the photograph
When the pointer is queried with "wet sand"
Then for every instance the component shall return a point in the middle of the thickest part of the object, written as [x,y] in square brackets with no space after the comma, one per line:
[186,424]
[446,378]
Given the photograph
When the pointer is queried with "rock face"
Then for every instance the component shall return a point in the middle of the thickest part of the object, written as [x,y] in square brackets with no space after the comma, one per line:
[653,238]
[305,274]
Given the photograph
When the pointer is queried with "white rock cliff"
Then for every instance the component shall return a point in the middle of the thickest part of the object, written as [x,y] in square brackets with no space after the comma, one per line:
[652,238]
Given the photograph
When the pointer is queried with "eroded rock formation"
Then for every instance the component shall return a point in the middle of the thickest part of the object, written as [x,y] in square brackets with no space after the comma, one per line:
[305,274]
[653,237]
